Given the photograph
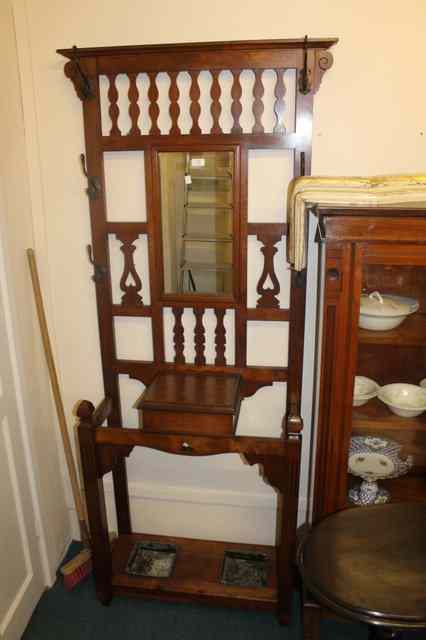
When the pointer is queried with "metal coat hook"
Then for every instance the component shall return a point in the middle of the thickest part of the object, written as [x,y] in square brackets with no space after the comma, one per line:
[85,86]
[304,84]
[99,270]
[93,184]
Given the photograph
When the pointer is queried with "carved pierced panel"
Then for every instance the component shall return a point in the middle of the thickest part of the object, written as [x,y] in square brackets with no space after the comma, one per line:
[129,270]
[130,282]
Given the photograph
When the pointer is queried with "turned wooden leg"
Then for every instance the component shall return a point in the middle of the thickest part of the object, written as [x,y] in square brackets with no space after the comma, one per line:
[96,509]
[311,617]
[282,473]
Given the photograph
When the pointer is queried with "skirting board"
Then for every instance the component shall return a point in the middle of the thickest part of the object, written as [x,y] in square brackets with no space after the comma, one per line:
[198,513]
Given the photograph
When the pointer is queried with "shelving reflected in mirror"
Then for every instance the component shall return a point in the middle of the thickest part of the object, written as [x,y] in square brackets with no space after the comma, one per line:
[197,213]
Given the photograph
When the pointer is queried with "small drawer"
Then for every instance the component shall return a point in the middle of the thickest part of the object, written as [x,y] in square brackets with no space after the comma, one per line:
[196,404]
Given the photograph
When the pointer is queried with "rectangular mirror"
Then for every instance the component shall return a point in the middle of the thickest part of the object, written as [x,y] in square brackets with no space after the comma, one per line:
[197,207]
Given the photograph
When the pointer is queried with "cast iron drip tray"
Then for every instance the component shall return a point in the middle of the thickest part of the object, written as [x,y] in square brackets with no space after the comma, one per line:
[245,569]
[151,559]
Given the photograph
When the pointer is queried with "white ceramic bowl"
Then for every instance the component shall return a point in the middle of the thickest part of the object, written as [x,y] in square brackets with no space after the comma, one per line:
[382,312]
[364,390]
[406,400]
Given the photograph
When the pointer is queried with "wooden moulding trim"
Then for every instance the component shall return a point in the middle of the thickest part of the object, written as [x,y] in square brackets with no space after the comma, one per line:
[219,46]
[199,445]
[267,228]
[127,227]
[287,47]
[207,303]
[265,375]
[268,315]
[138,311]
[132,142]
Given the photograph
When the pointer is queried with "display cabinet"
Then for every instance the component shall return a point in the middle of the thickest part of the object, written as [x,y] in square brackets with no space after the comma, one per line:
[365,250]
[197,231]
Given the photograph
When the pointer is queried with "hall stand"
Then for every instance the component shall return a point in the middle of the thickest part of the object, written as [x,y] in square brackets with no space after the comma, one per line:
[192,409]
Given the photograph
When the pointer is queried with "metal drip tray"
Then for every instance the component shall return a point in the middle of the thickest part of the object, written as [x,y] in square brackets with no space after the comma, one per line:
[151,559]
[245,569]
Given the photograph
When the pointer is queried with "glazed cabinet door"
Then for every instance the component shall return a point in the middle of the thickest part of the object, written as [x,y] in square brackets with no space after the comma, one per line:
[371,430]
[331,433]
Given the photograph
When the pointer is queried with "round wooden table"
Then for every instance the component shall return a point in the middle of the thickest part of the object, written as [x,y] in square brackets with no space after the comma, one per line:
[369,564]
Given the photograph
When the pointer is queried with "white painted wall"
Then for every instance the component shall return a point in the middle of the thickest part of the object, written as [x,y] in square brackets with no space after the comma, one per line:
[369,118]
[18,176]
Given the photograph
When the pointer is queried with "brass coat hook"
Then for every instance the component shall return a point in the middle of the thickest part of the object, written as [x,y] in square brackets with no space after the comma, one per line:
[93,183]
[99,270]
[83,81]
[304,84]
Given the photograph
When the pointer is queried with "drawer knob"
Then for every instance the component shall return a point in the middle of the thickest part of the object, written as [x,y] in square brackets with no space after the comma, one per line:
[185,446]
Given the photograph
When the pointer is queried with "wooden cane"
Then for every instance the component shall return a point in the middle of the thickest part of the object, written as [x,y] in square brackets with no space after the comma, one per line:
[78,501]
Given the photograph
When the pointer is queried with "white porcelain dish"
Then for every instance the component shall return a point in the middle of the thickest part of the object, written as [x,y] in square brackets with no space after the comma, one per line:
[364,390]
[405,400]
[382,312]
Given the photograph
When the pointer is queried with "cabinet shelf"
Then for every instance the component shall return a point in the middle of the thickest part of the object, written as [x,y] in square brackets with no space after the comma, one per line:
[208,205]
[211,237]
[196,573]
[227,177]
[206,266]
[412,332]
[409,488]
[376,416]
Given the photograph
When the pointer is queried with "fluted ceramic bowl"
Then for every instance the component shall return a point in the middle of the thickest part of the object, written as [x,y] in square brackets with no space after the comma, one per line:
[364,390]
[405,400]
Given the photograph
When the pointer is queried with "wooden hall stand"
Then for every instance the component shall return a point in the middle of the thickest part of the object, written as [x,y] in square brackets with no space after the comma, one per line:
[187,408]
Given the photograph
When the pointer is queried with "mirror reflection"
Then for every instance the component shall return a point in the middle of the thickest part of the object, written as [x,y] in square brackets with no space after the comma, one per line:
[196,221]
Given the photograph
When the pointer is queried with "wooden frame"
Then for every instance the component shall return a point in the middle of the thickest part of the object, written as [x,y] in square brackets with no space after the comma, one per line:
[168,299]
[105,449]
[396,240]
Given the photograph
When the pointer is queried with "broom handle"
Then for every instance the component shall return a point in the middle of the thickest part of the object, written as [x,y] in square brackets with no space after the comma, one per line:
[57,397]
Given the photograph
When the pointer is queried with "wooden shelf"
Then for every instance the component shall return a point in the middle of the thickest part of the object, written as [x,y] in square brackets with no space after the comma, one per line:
[196,574]
[227,177]
[376,416]
[206,266]
[213,237]
[209,205]
[409,488]
[412,332]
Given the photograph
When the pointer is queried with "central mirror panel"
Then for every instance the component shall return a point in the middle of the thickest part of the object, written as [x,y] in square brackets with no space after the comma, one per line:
[197,212]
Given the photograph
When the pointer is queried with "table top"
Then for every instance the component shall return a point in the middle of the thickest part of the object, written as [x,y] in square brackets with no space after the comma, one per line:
[197,393]
[369,563]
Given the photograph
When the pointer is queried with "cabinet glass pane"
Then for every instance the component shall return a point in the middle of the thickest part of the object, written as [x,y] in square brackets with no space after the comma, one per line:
[388,446]
[197,221]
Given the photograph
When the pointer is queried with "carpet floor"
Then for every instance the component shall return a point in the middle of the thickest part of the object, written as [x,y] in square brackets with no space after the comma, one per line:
[77,615]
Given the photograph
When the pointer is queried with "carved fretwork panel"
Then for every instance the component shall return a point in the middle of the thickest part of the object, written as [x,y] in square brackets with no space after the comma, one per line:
[130,282]
[269,234]
[272,469]
[109,456]
[268,295]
